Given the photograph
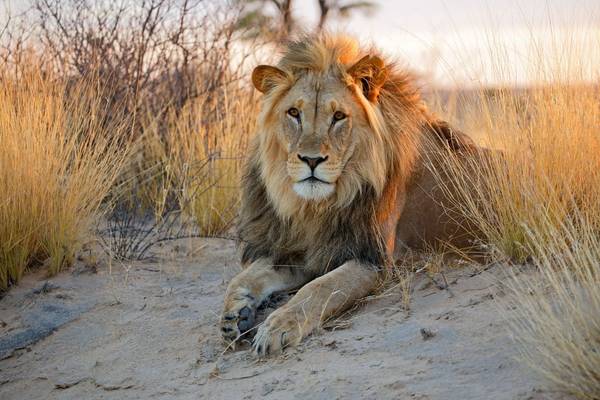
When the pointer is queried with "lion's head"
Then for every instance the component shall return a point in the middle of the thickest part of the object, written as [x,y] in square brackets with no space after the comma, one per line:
[330,123]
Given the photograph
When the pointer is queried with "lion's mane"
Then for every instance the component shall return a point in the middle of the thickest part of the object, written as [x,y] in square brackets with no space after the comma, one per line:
[275,223]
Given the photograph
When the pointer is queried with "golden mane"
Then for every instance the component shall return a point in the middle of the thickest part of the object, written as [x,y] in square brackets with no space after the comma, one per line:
[395,119]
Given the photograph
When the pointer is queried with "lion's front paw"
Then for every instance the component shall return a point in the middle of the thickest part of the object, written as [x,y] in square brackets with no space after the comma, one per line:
[282,328]
[238,315]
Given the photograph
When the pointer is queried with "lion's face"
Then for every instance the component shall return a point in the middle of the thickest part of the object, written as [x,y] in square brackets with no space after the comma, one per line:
[314,124]
[317,131]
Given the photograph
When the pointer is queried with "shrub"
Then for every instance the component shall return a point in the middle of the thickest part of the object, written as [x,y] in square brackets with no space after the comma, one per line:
[56,167]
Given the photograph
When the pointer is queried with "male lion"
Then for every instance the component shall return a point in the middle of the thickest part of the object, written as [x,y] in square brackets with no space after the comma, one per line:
[337,183]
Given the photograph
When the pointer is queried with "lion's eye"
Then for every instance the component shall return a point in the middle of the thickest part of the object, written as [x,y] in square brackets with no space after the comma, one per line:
[294,112]
[338,116]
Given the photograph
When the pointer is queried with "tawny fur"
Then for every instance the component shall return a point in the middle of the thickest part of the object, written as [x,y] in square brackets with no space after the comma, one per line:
[385,198]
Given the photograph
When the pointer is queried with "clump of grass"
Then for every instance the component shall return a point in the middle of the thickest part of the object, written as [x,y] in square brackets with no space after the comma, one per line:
[197,163]
[537,200]
[558,324]
[548,163]
[57,164]
[183,178]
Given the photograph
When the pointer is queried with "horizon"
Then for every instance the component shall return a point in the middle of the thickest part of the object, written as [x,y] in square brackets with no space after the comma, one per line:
[465,43]
[468,43]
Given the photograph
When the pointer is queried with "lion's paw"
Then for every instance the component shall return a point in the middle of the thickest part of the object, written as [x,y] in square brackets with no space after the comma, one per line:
[238,315]
[281,329]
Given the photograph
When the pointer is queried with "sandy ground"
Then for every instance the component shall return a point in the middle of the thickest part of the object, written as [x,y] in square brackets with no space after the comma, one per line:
[149,330]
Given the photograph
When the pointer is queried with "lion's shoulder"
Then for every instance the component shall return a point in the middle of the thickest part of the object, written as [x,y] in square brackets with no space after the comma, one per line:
[449,136]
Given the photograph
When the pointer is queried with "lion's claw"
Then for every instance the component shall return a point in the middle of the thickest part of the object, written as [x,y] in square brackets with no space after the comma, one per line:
[281,329]
[229,328]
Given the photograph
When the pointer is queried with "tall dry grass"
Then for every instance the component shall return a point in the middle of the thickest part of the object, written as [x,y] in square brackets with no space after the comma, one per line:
[56,167]
[183,177]
[199,162]
[537,200]
[547,163]
[558,326]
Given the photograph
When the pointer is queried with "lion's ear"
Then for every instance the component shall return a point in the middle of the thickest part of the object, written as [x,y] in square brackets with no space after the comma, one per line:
[371,73]
[266,77]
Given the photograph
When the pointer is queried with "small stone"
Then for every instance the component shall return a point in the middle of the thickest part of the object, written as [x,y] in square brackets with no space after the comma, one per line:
[427,334]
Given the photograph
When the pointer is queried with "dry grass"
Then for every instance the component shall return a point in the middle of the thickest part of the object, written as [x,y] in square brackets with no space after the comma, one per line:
[198,164]
[538,201]
[183,178]
[55,169]
[172,71]
[558,325]
[549,164]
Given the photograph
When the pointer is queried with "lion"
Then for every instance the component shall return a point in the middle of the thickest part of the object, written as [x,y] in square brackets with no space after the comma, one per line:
[337,185]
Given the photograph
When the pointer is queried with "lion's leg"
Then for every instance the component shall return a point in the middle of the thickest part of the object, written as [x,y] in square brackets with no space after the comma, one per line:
[249,289]
[313,304]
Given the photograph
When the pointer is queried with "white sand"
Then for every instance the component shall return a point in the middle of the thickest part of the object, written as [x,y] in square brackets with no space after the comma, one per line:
[149,330]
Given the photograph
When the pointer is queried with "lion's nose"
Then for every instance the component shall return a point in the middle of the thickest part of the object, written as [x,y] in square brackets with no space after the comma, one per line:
[312,162]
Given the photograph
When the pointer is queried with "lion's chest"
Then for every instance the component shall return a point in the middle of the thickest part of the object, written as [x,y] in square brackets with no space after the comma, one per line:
[299,238]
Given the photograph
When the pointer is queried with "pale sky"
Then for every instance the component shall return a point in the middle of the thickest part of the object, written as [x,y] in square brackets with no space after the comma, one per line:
[453,41]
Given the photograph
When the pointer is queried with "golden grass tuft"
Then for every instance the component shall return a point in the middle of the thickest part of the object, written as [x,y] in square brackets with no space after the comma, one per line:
[558,324]
[537,199]
[56,167]
[547,165]
[198,162]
